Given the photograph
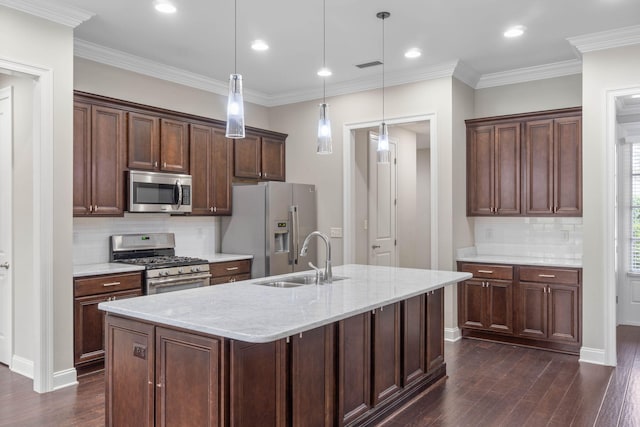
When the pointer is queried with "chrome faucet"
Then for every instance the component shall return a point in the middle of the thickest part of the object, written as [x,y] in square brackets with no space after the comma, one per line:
[328,274]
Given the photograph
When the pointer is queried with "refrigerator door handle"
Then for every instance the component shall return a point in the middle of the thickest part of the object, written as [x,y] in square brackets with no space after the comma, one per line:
[295,231]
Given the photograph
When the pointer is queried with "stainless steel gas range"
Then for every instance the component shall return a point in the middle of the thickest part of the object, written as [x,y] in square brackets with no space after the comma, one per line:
[164,271]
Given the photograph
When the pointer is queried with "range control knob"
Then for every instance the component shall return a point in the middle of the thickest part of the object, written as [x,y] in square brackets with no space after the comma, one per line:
[195,269]
[165,273]
[179,271]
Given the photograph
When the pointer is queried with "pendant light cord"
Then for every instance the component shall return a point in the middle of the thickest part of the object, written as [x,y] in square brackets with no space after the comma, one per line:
[383,18]
[235,37]
[324,49]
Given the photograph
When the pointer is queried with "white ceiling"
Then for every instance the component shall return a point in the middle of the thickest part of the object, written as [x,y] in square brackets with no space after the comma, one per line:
[199,39]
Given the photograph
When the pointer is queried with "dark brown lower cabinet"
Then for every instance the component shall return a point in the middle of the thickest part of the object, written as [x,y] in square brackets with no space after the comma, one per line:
[188,379]
[312,368]
[386,352]
[130,379]
[352,372]
[435,330]
[540,307]
[354,367]
[257,382]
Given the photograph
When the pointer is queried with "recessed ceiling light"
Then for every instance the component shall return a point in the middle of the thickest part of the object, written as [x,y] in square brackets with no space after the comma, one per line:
[164,6]
[414,52]
[515,31]
[259,45]
[324,72]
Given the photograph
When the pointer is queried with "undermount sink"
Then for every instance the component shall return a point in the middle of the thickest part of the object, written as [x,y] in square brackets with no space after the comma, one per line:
[292,282]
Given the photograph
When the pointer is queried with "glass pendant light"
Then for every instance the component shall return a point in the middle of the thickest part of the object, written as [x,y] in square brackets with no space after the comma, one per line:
[235,103]
[324,145]
[383,134]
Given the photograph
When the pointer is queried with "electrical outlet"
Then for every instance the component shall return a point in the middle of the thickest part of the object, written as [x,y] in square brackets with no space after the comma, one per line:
[336,231]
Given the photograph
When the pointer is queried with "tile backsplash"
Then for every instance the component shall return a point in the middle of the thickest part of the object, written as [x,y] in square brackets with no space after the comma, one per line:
[534,237]
[195,236]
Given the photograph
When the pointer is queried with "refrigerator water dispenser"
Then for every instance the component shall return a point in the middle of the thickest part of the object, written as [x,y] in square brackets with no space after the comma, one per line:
[281,236]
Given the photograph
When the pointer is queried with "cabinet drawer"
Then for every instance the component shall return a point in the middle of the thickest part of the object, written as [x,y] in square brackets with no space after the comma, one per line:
[103,284]
[230,268]
[488,271]
[550,275]
[230,279]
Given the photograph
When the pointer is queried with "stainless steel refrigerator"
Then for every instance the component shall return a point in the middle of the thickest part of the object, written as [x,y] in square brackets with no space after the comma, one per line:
[270,221]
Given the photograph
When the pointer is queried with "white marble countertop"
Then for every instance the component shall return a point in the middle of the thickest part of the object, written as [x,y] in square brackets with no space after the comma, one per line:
[523,260]
[83,270]
[249,312]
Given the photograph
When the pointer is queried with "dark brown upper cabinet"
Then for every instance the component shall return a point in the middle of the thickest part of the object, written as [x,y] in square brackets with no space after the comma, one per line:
[211,156]
[525,164]
[158,144]
[259,157]
[99,146]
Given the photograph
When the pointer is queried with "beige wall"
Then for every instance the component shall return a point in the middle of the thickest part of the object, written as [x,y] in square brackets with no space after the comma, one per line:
[117,83]
[547,94]
[326,172]
[37,42]
[361,164]
[602,71]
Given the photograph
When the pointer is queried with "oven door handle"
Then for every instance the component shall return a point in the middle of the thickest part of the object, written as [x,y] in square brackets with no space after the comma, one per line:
[177,280]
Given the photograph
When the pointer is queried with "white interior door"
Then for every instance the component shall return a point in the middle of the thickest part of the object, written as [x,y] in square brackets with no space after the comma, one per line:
[382,206]
[6,282]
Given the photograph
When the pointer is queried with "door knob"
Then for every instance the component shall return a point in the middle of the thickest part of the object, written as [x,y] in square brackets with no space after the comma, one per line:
[375,246]
[4,265]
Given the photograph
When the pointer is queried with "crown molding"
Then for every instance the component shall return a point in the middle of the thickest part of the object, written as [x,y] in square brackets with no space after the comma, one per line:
[538,72]
[466,74]
[65,15]
[136,64]
[606,39]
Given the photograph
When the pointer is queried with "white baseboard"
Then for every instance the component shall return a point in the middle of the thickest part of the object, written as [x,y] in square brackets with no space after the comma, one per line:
[22,366]
[592,355]
[452,334]
[66,378]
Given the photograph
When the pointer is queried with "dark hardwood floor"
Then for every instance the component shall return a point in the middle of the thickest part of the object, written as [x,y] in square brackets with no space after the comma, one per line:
[489,384]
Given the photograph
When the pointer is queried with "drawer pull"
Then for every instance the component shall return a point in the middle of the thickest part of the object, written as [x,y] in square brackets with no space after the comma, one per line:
[111,284]
[550,276]
[486,271]
[232,268]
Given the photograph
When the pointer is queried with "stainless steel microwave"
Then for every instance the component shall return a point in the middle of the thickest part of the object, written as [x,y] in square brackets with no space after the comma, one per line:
[159,192]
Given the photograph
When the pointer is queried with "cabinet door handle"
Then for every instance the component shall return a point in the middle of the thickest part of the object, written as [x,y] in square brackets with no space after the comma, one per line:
[486,271]
[111,284]
[265,174]
[232,268]
[551,276]
[215,209]
[90,208]
[155,164]
[211,209]
[164,164]
[95,208]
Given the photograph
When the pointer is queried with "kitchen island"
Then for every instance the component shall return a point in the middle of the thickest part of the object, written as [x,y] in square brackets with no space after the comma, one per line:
[346,353]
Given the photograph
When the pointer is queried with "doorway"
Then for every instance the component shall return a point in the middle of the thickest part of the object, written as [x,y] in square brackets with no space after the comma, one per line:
[627,173]
[416,232]
[6,225]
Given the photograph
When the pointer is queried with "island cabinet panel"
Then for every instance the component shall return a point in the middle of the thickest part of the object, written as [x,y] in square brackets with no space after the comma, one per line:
[130,379]
[258,378]
[435,330]
[354,367]
[413,337]
[312,377]
[188,379]
[386,352]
